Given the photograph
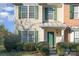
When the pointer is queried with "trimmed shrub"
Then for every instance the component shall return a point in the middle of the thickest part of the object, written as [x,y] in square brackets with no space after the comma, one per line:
[40,44]
[43,48]
[9,45]
[19,46]
[60,51]
[29,47]
[60,47]
[10,42]
[72,46]
[62,44]
[77,49]
[1,41]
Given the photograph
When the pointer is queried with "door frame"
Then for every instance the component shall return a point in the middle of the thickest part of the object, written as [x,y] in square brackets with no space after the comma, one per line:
[53,42]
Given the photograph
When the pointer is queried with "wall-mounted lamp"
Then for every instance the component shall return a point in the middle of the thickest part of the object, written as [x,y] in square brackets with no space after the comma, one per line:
[57,31]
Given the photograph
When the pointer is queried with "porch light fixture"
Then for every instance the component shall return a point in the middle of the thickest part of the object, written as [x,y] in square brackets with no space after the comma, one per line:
[57,31]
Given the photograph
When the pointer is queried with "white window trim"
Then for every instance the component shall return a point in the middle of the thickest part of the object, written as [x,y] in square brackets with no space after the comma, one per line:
[28,37]
[74,36]
[76,11]
[28,12]
[34,12]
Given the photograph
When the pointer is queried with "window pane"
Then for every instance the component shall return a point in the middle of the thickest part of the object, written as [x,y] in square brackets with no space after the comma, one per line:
[36,12]
[31,11]
[76,40]
[23,11]
[50,13]
[31,36]
[24,36]
[76,12]
[76,36]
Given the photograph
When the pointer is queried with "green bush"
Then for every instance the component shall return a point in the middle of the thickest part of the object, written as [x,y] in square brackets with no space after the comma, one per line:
[29,47]
[72,46]
[43,48]
[40,44]
[10,42]
[60,47]
[60,51]
[19,46]
[1,41]
[77,47]
[62,44]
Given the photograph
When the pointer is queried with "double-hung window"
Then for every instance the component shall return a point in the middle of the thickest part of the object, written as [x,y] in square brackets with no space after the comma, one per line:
[28,12]
[31,12]
[22,11]
[76,11]
[50,13]
[76,36]
[29,36]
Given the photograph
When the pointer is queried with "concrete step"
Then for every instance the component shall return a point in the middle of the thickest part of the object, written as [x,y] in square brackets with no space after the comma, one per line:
[52,51]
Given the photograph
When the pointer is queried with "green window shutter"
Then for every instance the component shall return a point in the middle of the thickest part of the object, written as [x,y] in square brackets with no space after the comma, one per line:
[36,36]
[19,11]
[36,12]
[55,13]
[46,14]
[71,11]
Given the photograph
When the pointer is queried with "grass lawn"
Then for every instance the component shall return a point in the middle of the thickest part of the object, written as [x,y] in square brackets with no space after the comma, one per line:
[3,52]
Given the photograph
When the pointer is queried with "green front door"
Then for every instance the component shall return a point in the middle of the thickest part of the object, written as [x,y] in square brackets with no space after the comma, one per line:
[50,37]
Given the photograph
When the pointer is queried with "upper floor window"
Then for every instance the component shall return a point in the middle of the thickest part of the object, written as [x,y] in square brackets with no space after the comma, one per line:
[28,12]
[50,13]
[74,11]
[33,12]
[22,11]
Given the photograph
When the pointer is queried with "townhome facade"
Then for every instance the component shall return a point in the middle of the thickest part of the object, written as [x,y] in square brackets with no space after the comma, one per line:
[71,19]
[40,22]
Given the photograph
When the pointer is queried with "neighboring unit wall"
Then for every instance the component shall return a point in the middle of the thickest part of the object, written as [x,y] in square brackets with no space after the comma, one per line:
[67,20]
[70,22]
